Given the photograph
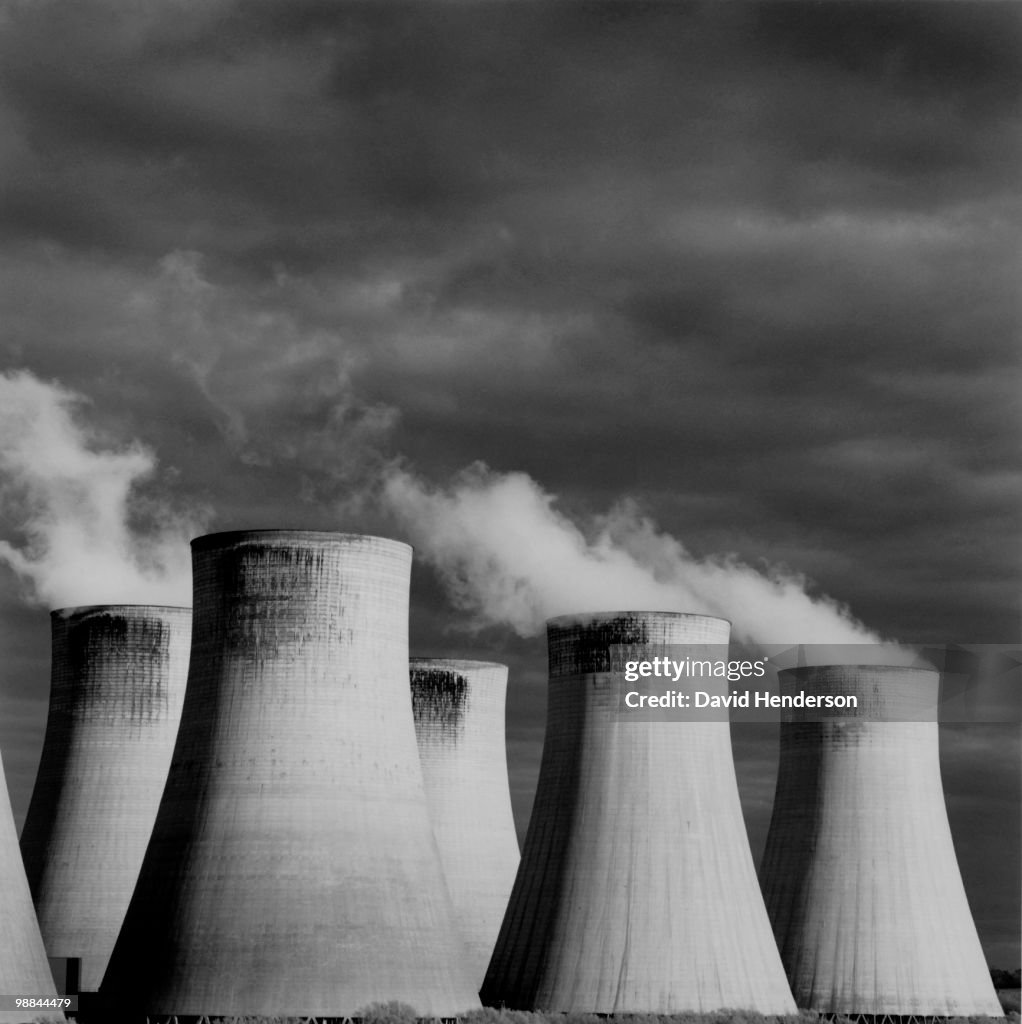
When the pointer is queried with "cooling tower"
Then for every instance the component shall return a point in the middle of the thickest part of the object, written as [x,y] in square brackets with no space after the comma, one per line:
[24,970]
[292,869]
[459,725]
[859,871]
[636,892]
[116,687]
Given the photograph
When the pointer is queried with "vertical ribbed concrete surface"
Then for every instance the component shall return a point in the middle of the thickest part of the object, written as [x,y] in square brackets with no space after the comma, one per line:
[116,687]
[859,871]
[459,725]
[292,869]
[636,891]
[24,970]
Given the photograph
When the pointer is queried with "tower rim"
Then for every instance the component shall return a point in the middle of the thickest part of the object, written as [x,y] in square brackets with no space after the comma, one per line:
[71,611]
[417,660]
[796,670]
[214,540]
[573,618]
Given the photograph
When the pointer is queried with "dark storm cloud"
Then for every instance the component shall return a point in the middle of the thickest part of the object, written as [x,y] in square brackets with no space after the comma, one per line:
[443,110]
[708,233]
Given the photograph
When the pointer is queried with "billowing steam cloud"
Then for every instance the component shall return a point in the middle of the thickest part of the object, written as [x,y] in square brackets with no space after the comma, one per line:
[507,556]
[86,535]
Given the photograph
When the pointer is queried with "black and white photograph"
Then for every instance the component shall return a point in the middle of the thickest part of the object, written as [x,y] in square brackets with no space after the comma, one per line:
[400,400]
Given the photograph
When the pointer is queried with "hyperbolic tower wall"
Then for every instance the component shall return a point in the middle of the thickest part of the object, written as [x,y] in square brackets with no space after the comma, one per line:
[459,725]
[117,684]
[637,891]
[24,969]
[292,869]
[859,871]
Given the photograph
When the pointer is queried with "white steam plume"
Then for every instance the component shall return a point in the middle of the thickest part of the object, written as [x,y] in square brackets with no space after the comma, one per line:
[76,510]
[507,556]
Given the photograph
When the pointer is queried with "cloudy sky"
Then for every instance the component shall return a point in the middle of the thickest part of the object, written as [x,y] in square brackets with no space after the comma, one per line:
[599,305]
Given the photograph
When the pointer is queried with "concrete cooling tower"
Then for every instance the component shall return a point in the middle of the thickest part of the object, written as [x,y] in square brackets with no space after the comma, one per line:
[636,892]
[117,684]
[292,869]
[859,871]
[24,969]
[459,725]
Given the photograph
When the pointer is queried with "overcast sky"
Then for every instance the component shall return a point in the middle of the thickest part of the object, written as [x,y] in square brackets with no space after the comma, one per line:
[717,298]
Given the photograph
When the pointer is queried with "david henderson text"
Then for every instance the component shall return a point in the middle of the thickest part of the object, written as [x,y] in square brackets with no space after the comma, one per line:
[736,699]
